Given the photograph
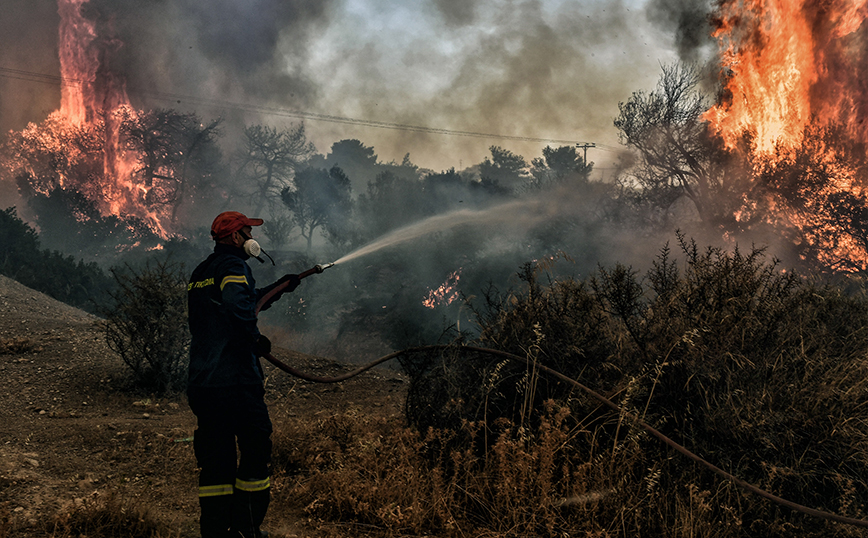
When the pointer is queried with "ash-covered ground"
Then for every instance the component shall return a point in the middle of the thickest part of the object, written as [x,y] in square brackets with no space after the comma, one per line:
[71,430]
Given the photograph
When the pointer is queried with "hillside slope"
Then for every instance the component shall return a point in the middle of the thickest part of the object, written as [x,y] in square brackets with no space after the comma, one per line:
[71,431]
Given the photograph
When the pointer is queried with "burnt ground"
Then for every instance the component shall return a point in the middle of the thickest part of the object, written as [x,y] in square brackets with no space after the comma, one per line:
[71,430]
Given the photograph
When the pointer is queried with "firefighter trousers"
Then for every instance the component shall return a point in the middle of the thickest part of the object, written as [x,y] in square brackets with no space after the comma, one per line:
[233,492]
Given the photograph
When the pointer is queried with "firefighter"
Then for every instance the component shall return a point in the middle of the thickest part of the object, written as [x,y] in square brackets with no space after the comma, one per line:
[225,384]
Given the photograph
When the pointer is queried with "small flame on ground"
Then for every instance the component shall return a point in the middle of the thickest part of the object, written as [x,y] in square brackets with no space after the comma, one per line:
[445,293]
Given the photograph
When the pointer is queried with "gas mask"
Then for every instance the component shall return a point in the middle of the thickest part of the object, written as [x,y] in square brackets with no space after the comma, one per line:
[251,248]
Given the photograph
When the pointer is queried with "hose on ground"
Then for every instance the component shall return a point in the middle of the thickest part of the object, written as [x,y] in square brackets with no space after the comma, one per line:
[602,399]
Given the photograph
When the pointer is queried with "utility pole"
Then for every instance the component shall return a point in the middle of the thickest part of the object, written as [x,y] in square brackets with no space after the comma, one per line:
[585,147]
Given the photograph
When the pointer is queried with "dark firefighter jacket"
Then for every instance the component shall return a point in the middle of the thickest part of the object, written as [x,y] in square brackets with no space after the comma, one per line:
[221,299]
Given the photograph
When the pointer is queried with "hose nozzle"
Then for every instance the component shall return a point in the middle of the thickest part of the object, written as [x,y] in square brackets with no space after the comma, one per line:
[319,268]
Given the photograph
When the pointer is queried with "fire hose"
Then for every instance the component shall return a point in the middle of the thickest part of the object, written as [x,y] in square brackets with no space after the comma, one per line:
[316,269]
[594,394]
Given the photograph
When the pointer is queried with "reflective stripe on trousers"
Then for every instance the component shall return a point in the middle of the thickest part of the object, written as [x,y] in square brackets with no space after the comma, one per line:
[215,490]
[252,485]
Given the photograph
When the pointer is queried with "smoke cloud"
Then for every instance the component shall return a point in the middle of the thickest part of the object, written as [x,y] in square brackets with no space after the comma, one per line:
[222,50]
[547,69]
[688,21]
[542,69]
[23,98]
[457,12]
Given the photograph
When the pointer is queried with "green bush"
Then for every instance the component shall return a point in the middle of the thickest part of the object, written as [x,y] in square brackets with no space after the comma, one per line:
[83,285]
[146,324]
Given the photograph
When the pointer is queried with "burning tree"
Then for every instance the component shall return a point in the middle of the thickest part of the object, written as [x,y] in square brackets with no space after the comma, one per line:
[175,154]
[794,91]
[678,156]
[783,145]
[54,154]
[816,191]
[164,159]
[99,158]
[59,170]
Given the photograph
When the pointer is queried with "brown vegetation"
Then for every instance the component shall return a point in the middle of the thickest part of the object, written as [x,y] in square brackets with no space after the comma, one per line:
[751,367]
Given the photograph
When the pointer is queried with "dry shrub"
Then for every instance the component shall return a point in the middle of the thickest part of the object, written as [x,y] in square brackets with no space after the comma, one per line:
[759,371]
[109,516]
[754,368]
[352,468]
[146,324]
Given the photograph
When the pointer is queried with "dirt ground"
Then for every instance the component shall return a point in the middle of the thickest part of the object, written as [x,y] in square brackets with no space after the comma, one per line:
[70,431]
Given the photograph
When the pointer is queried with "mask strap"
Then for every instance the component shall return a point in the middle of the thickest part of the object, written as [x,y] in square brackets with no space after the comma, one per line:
[269,257]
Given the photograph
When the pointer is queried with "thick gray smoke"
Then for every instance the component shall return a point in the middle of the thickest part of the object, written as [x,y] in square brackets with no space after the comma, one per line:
[542,69]
[23,99]
[457,12]
[689,22]
[219,49]
[549,69]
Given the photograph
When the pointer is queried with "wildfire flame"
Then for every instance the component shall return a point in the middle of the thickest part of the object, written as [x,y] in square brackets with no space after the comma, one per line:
[793,70]
[790,63]
[445,293]
[94,100]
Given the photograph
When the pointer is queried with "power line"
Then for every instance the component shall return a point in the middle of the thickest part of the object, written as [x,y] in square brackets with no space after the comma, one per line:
[279,111]
[285,112]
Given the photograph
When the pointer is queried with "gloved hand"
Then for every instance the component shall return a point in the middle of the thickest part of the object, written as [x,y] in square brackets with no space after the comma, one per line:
[262,347]
[293,280]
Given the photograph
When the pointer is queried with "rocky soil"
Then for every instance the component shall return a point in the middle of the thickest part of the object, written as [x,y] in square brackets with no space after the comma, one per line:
[72,431]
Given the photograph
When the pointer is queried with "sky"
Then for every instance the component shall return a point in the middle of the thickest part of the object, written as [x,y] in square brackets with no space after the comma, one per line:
[543,69]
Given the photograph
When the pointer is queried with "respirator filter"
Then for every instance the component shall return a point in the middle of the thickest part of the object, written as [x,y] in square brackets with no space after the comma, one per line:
[252,248]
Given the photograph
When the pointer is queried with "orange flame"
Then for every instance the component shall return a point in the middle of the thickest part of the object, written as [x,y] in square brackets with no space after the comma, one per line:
[94,97]
[445,293]
[789,63]
[91,89]
[78,62]
[792,70]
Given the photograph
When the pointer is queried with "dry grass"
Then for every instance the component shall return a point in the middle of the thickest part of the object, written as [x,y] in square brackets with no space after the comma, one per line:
[110,516]
[760,372]
[753,368]
[381,478]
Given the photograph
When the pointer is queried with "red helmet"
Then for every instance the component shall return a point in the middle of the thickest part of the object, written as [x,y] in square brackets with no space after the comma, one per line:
[229,222]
